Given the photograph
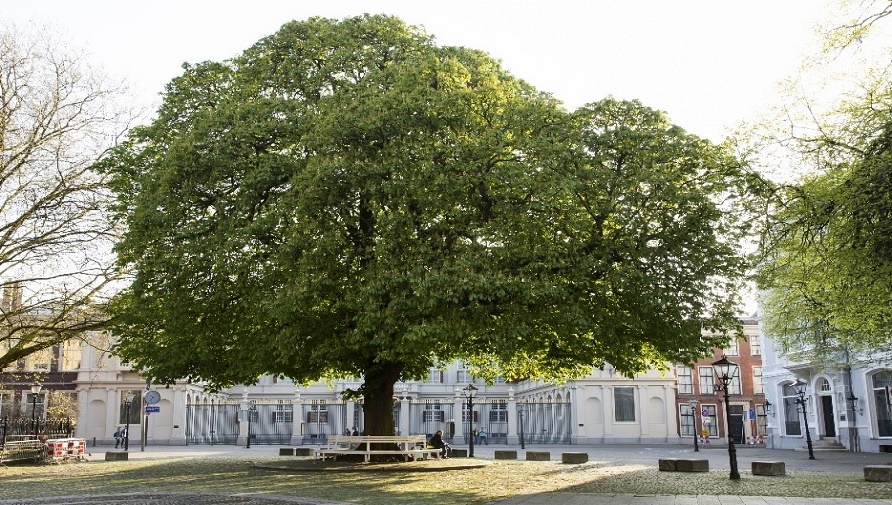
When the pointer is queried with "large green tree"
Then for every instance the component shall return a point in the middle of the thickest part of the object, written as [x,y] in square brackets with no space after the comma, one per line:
[346,198]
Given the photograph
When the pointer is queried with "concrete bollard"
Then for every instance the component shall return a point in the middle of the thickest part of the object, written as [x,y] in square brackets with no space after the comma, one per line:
[769,468]
[574,457]
[878,473]
[116,456]
[538,456]
[503,454]
[286,451]
[303,451]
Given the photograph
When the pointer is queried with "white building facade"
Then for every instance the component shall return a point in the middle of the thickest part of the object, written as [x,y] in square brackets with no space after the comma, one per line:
[847,405]
[603,408]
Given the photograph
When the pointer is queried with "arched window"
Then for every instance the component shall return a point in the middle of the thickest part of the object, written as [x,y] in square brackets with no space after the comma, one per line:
[824,386]
[791,411]
[882,398]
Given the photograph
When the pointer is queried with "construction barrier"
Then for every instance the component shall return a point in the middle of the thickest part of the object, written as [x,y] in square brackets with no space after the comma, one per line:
[61,449]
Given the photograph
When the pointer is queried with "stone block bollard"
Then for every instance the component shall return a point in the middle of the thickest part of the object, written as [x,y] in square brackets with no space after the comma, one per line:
[574,457]
[538,456]
[769,468]
[458,453]
[504,454]
[667,464]
[878,473]
[303,451]
[692,465]
[116,456]
[286,451]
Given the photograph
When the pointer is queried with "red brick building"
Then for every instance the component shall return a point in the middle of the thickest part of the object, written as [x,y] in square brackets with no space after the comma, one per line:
[700,407]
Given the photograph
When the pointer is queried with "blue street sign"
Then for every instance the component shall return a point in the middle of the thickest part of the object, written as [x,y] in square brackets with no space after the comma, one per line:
[152,409]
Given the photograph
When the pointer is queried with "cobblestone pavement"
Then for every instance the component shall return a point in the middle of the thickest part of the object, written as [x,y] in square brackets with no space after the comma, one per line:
[170,499]
[841,461]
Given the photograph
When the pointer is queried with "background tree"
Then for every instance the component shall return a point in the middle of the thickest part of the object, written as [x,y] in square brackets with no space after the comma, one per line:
[826,270]
[346,198]
[57,116]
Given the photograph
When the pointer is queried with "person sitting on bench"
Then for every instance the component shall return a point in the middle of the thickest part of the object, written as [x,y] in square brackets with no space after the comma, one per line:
[437,442]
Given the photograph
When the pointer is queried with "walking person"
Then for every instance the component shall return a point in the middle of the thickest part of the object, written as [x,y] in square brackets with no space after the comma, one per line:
[119,437]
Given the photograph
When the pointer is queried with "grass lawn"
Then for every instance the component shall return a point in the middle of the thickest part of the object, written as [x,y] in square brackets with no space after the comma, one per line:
[401,483]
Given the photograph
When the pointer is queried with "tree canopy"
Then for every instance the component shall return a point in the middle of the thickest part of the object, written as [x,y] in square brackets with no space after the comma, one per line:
[347,198]
[827,264]
[57,117]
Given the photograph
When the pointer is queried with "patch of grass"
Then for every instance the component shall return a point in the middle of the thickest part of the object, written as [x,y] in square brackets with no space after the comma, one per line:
[482,485]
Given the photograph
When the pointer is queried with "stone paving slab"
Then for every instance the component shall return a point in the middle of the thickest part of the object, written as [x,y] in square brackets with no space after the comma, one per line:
[170,499]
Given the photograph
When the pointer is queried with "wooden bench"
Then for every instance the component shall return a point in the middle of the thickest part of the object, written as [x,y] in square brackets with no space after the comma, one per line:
[414,446]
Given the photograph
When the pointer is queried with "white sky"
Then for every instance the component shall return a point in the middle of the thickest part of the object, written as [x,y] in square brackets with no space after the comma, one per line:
[709,63]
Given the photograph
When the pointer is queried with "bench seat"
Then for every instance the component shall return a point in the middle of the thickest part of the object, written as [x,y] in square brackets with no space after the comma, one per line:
[413,446]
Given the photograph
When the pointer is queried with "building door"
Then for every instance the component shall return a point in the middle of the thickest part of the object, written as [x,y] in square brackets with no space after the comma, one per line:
[827,412]
[735,423]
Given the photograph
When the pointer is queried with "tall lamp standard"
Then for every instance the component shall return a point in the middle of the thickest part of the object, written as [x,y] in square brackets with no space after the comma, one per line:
[693,403]
[252,408]
[35,391]
[725,371]
[801,399]
[128,401]
[520,414]
[470,392]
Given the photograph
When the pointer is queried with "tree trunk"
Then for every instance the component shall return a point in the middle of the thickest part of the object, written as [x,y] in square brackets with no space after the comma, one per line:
[378,397]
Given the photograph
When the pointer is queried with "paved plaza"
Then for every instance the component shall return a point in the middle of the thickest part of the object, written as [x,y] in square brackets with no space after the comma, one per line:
[835,461]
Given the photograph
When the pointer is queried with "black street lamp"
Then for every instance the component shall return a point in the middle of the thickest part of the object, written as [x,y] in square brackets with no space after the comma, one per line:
[252,408]
[693,403]
[725,371]
[128,401]
[470,392]
[520,414]
[801,399]
[35,391]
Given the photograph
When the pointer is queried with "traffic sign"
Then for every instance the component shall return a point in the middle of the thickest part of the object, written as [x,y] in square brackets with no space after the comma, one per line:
[152,409]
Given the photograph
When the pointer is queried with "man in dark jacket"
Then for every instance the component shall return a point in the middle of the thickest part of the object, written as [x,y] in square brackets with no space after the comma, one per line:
[437,442]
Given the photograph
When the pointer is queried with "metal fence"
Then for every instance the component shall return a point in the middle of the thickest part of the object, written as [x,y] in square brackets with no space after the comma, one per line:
[24,428]
[545,423]
[219,423]
[273,423]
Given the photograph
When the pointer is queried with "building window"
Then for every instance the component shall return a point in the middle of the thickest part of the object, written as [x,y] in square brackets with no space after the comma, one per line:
[707,380]
[498,412]
[882,397]
[733,348]
[686,419]
[761,420]
[791,411]
[710,425]
[432,413]
[758,385]
[755,345]
[435,376]
[825,386]
[685,380]
[624,404]
[135,407]
[283,413]
[318,412]
[5,404]
[463,377]
[498,380]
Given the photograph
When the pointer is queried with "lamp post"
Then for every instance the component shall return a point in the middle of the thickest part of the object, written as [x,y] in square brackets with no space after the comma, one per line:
[128,401]
[801,399]
[693,403]
[520,413]
[725,371]
[252,408]
[35,390]
[470,391]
